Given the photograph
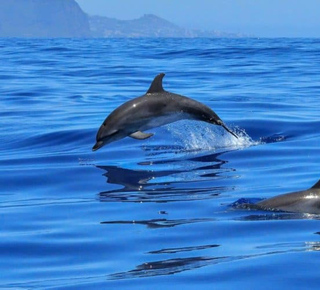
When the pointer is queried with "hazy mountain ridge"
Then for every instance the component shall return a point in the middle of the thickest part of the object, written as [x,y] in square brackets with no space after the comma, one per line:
[65,18]
[148,25]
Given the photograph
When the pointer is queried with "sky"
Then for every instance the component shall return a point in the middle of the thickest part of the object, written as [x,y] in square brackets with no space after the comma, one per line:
[261,18]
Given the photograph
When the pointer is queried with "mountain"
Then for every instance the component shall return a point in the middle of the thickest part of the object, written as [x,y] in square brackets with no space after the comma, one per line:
[42,18]
[64,18]
[148,25]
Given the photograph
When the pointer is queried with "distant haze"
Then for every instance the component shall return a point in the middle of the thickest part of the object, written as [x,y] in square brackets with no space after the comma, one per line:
[265,18]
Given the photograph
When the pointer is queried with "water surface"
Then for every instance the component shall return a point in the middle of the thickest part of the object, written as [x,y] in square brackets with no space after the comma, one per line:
[156,213]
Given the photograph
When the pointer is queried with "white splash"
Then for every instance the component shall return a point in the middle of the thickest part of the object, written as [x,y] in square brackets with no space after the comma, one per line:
[202,136]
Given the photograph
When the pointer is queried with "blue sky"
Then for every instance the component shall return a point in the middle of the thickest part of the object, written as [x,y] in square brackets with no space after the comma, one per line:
[264,18]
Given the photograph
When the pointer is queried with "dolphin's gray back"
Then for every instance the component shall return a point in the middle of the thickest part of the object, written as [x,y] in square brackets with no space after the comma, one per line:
[158,102]
[153,105]
[170,103]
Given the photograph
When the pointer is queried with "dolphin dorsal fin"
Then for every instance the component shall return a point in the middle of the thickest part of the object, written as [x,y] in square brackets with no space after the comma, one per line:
[317,185]
[156,85]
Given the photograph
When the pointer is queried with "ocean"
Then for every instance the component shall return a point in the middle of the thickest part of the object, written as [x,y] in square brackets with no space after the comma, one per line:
[157,213]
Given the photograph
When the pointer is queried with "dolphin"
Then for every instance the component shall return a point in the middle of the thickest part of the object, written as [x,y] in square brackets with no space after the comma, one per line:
[305,201]
[154,109]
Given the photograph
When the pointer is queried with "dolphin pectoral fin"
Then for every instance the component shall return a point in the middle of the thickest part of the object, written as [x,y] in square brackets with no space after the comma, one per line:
[228,130]
[140,135]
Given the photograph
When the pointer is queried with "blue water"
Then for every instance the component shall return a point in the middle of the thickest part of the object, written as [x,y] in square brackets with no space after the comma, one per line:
[156,214]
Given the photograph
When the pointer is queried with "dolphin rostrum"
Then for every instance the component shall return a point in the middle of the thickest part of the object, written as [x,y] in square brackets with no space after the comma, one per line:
[306,201]
[156,108]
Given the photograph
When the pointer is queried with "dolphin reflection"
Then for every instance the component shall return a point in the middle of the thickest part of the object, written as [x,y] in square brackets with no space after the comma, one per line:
[156,184]
[181,263]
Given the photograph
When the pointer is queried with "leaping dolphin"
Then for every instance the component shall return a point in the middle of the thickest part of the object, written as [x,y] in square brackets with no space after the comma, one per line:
[154,109]
[306,201]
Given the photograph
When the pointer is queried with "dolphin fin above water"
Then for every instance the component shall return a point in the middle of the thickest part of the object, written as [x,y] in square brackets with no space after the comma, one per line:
[156,85]
[154,109]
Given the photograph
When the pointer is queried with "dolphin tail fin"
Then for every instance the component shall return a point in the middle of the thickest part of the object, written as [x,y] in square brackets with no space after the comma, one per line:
[140,135]
[317,185]
[228,130]
[156,85]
